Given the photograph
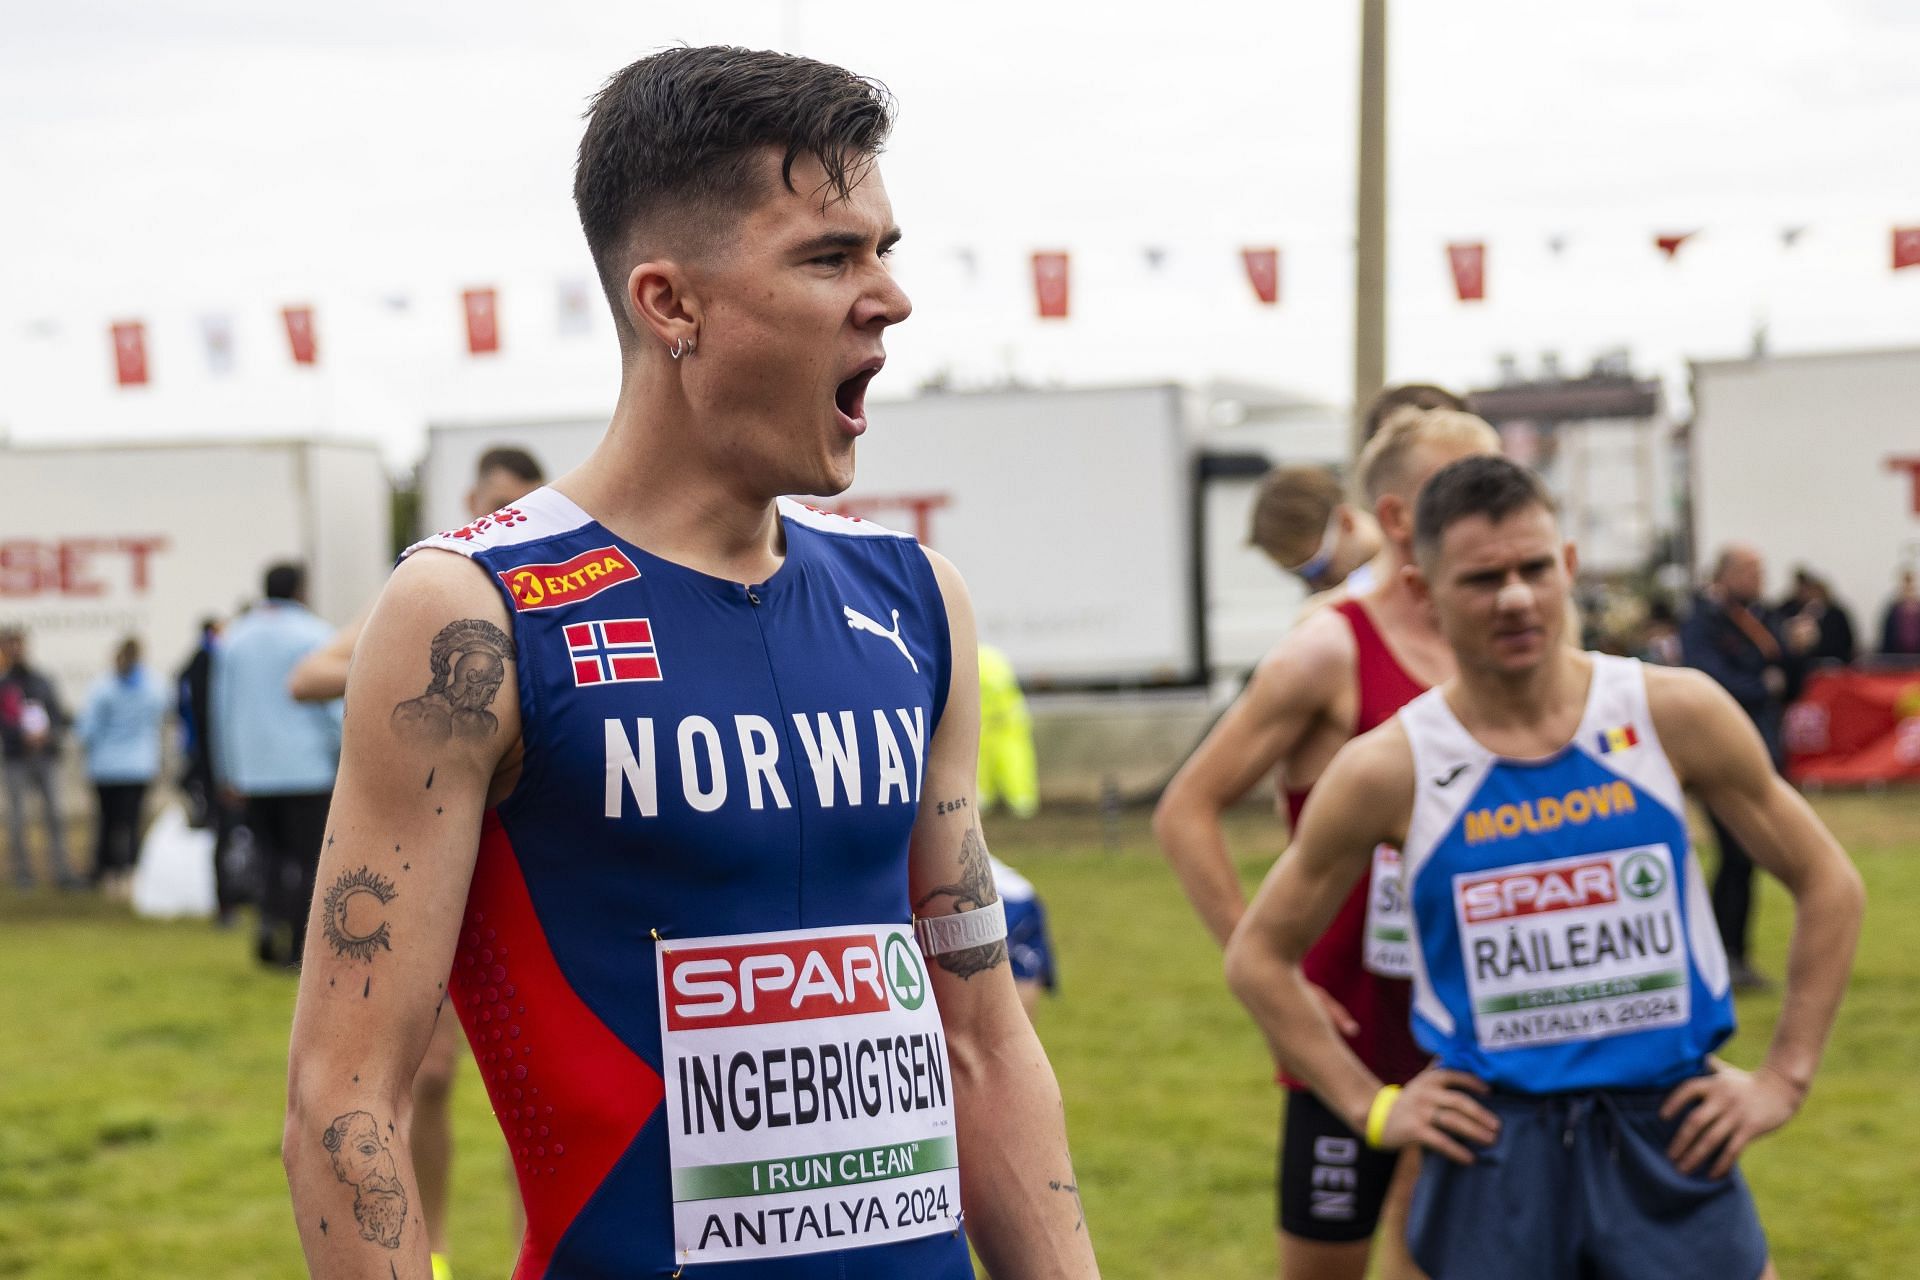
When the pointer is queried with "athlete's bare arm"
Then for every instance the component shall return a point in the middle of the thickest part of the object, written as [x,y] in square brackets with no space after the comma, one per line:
[1022,1202]
[415,776]
[1289,695]
[321,676]
[1363,799]
[1721,759]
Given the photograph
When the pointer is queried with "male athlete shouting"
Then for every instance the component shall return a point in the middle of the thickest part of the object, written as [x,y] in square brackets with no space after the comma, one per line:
[1567,972]
[704,864]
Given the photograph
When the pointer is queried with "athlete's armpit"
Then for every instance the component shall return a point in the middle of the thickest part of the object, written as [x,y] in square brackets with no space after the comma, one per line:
[469,661]
[972,891]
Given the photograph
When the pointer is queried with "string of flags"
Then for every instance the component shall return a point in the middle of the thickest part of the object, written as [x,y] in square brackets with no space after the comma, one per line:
[1052,279]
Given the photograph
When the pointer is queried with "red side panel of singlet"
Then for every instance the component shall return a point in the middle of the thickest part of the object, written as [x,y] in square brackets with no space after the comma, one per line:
[1380,1005]
[569,1095]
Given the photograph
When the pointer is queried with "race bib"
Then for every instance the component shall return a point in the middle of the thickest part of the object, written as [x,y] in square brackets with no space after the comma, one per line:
[1388,947]
[1574,948]
[809,1100]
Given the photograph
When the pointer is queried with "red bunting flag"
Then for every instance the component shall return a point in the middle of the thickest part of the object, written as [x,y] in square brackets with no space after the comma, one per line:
[1906,247]
[300,333]
[1469,263]
[483,321]
[1263,272]
[130,352]
[1670,245]
[1050,284]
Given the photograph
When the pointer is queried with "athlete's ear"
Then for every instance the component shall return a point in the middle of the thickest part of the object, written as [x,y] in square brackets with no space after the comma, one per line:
[1570,555]
[660,302]
[1391,513]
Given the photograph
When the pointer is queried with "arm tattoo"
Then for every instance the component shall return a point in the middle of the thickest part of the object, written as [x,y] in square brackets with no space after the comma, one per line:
[972,891]
[362,1158]
[1079,1208]
[355,920]
[469,662]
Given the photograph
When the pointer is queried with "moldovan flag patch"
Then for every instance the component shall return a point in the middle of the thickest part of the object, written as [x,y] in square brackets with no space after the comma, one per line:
[1619,739]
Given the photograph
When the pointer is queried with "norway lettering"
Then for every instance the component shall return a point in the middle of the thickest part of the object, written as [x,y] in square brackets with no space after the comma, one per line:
[722,761]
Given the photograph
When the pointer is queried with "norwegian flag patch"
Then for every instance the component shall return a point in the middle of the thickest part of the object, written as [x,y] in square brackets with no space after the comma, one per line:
[611,651]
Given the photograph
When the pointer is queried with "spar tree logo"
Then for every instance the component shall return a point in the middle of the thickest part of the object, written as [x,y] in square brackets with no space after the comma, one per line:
[904,975]
[1642,876]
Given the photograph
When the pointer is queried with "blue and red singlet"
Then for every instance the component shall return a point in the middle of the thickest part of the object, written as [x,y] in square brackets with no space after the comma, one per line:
[686,967]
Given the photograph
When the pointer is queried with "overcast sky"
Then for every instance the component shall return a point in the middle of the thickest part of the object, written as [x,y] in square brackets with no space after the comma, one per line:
[167,159]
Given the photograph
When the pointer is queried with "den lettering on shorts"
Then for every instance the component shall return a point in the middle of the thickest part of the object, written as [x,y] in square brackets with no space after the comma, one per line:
[1563,939]
[712,822]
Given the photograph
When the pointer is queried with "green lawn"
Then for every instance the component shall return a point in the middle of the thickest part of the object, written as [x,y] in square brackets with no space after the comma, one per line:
[141,1070]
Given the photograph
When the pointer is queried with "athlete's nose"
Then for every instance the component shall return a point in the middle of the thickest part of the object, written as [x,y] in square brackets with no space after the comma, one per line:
[1515,597]
[884,303]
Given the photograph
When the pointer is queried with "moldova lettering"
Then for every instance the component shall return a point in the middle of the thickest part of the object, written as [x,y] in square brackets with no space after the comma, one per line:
[1533,817]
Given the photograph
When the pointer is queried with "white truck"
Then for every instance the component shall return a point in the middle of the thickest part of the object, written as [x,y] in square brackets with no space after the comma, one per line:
[1814,460]
[106,541]
[1102,531]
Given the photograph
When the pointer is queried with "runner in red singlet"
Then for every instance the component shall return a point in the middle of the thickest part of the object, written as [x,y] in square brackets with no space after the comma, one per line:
[1343,670]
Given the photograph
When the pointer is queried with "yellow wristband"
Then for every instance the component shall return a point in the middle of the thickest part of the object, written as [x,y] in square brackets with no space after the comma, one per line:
[1377,1114]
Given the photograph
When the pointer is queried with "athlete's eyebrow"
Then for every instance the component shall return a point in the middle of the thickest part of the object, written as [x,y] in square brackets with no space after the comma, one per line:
[844,241]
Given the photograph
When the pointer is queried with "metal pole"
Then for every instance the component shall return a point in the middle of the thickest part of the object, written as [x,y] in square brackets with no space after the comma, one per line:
[1370,256]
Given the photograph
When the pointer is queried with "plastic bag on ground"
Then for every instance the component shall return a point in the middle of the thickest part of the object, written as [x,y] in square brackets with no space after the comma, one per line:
[174,876]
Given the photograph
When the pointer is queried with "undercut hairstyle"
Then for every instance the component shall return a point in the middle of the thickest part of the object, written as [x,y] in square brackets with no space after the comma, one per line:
[1408,395]
[1291,511]
[673,152]
[285,581]
[1382,465]
[516,462]
[1484,485]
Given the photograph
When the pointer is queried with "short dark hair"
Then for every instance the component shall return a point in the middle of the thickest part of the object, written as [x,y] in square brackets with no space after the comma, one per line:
[1416,395]
[677,136]
[285,581]
[516,462]
[1483,485]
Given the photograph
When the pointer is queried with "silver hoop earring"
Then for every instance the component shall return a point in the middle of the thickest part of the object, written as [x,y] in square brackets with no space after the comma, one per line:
[678,349]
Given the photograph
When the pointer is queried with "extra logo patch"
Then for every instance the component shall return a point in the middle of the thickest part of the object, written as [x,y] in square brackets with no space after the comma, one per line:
[548,586]
[612,651]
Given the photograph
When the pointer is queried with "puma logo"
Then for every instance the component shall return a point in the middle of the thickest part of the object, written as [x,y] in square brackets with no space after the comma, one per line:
[1448,780]
[861,622]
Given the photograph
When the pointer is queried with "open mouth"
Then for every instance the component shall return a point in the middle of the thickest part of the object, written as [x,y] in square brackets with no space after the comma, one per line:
[850,398]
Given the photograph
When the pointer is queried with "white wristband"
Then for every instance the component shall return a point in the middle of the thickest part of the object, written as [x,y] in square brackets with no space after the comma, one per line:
[940,935]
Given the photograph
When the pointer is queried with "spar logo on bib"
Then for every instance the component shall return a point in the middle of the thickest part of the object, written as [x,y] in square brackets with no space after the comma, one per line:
[905,977]
[786,981]
[1525,893]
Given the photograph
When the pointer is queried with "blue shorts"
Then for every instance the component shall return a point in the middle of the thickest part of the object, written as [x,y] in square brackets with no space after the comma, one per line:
[1578,1186]
[1028,946]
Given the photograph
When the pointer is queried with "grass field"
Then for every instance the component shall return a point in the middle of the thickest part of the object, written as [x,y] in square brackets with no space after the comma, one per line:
[142,1068]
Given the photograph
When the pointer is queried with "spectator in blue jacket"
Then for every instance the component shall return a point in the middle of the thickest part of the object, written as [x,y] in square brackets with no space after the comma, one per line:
[119,729]
[275,755]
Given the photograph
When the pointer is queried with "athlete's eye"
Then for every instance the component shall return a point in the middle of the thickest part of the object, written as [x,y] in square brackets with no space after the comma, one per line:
[829,260]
